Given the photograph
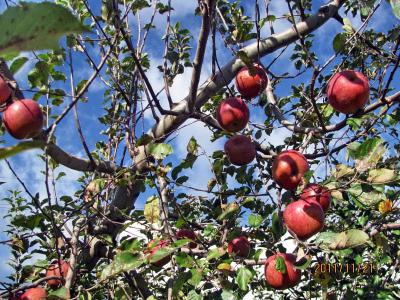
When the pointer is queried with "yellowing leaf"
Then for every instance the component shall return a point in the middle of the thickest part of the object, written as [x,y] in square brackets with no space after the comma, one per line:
[322,278]
[342,171]
[224,267]
[152,210]
[381,175]
[385,206]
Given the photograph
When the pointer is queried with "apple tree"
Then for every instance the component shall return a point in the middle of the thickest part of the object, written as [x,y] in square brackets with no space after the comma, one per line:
[209,149]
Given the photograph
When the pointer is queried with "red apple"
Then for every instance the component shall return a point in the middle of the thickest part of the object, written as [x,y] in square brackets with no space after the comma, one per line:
[240,150]
[277,278]
[289,168]
[5,91]
[304,218]
[232,114]
[239,246]
[251,85]
[54,270]
[152,247]
[187,234]
[348,91]
[23,119]
[318,193]
[36,293]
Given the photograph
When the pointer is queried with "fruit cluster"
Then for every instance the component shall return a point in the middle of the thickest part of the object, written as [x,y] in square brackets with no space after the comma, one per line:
[22,118]
[58,269]
[348,92]
[233,114]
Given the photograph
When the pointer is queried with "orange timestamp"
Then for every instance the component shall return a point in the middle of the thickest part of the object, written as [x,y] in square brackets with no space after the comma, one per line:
[363,268]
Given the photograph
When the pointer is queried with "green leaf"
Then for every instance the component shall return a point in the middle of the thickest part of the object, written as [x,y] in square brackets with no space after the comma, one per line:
[277,226]
[36,26]
[228,295]
[192,146]
[29,222]
[347,25]
[243,277]
[215,253]
[61,293]
[280,264]
[181,243]
[343,240]
[381,176]
[195,279]
[231,210]
[355,238]
[131,245]
[395,7]
[184,260]
[152,210]
[303,263]
[144,140]
[339,41]
[342,171]
[368,153]
[123,262]
[161,253]
[255,220]
[349,239]
[182,179]
[20,147]
[354,123]
[18,64]
[366,194]
[160,150]
[192,295]
[180,282]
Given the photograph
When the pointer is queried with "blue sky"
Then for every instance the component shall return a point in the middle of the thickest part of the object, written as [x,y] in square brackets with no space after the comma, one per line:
[29,166]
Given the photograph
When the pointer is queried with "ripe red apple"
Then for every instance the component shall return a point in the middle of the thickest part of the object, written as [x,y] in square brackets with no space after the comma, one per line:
[23,119]
[232,114]
[240,246]
[55,270]
[5,91]
[240,150]
[251,85]
[318,193]
[348,91]
[289,168]
[304,218]
[36,293]
[278,279]
[187,234]
[152,247]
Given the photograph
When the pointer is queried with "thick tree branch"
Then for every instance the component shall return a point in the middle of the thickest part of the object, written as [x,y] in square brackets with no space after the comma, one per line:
[208,8]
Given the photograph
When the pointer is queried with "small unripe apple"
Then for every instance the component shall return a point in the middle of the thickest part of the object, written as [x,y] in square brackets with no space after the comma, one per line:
[276,277]
[318,193]
[289,168]
[232,114]
[187,234]
[251,85]
[240,150]
[5,91]
[152,247]
[304,218]
[348,91]
[36,293]
[55,270]
[23,119]
[239,246]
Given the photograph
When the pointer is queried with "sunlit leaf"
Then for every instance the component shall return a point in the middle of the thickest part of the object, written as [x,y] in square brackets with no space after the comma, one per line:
[152,210]
[20,147]
[36,26]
